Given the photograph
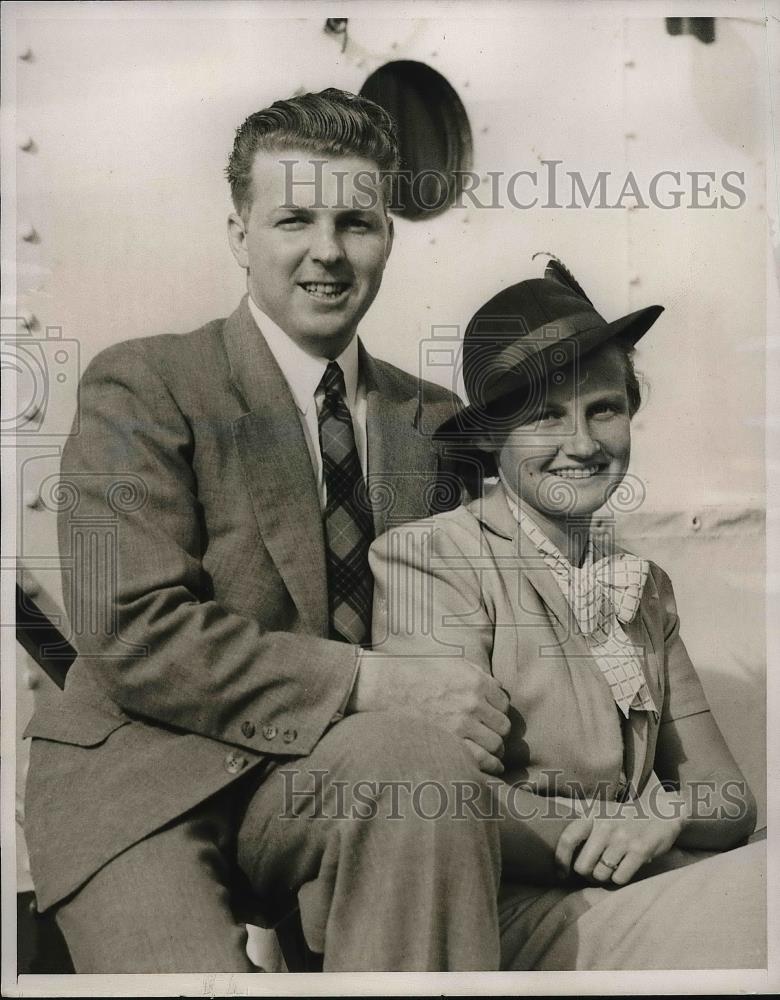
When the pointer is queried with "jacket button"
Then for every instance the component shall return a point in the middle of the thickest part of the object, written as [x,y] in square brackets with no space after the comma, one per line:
[290,735]
[270,732]
[248,729]
[235,762]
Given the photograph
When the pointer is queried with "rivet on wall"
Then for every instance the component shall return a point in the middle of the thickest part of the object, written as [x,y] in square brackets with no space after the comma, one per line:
[634,279]
[629,64]
[26,54]
[630,135]
[32,499]
[27,144]
[696,522]
[28,232]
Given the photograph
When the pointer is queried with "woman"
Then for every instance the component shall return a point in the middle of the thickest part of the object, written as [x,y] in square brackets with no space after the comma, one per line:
[615,769]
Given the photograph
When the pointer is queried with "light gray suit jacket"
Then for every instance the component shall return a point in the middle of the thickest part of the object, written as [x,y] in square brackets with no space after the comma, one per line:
[469,584]
[194,576]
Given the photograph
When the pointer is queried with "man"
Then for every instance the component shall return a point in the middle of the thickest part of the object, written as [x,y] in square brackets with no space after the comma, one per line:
[221,628]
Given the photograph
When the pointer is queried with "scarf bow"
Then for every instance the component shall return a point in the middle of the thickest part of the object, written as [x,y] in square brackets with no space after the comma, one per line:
[611,586]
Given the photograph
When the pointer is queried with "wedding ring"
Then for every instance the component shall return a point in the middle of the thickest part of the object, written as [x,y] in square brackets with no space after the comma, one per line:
[608,865]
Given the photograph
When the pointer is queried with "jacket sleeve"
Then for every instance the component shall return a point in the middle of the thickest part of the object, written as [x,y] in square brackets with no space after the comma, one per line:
[428,594]
[131,536]
[683,692]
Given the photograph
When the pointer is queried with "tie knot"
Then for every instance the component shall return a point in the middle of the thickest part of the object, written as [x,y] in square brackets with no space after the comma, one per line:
[332,381]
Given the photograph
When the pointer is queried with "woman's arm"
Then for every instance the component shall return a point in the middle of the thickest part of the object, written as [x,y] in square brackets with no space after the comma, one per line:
[432,631]
[718,807]
[711,807]
[706,803]
[430,610]
[530,829]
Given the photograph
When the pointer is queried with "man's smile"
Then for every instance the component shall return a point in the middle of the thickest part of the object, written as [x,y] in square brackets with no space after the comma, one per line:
[325,290]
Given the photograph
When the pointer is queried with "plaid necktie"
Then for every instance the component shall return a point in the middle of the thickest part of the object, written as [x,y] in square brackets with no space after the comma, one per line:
[349,525]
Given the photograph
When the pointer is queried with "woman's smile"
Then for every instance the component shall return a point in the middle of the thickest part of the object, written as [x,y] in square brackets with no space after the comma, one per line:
[580,437]
[576,471]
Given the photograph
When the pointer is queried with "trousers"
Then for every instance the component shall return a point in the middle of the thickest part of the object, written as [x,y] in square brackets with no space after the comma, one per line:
[361,833]
[685,910]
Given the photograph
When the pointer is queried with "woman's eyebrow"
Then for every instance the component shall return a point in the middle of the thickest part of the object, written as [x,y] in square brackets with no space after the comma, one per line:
[607,396]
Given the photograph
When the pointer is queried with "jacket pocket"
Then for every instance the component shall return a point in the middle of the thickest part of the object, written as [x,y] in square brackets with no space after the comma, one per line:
[79,729]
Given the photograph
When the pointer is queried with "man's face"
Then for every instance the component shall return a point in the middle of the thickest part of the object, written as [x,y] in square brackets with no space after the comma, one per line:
[314,244]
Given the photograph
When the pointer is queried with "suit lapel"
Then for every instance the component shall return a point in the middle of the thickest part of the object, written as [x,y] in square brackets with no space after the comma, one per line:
[402,459]
[277,467]
[645,632]
[493,510]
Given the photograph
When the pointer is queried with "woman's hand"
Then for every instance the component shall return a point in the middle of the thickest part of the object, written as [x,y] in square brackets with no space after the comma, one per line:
[614,848]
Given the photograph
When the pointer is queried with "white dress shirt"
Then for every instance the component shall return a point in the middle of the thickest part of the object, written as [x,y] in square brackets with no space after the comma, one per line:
[303,374]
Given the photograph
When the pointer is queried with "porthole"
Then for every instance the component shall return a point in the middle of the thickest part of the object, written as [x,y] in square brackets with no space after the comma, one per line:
[433,132]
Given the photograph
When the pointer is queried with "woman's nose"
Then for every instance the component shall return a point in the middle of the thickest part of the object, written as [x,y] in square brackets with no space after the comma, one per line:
[326,247]
[580,442]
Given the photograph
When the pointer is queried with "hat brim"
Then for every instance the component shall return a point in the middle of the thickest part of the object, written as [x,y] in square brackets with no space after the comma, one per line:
[473,418]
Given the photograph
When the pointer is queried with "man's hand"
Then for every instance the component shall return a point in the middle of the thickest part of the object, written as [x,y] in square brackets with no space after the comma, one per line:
[455,694]
[614,848]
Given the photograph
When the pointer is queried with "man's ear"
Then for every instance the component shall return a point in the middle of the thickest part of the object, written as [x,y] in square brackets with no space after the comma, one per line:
[390,237]
[237,239]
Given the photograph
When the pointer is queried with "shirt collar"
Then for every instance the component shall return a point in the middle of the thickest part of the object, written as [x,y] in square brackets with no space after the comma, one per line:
[549,551]
[301,370]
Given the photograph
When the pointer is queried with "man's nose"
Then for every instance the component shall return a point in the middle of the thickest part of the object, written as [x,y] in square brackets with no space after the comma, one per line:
[326,246]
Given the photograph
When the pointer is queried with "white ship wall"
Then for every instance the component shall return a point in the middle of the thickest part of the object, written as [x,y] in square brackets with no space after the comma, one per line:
[131,121]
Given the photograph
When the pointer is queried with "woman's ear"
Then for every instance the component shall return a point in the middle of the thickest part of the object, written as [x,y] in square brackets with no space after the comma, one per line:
[486,442]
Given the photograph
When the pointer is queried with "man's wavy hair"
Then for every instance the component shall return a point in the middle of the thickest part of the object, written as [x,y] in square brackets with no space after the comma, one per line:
[330,123]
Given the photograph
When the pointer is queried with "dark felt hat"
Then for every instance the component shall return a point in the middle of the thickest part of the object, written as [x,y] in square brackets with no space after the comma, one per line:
[522,337]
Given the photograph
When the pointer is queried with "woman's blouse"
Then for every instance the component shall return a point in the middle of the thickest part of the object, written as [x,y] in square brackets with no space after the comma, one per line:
[595,612]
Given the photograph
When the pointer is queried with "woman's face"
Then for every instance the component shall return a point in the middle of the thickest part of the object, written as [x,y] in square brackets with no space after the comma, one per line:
[570,458]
